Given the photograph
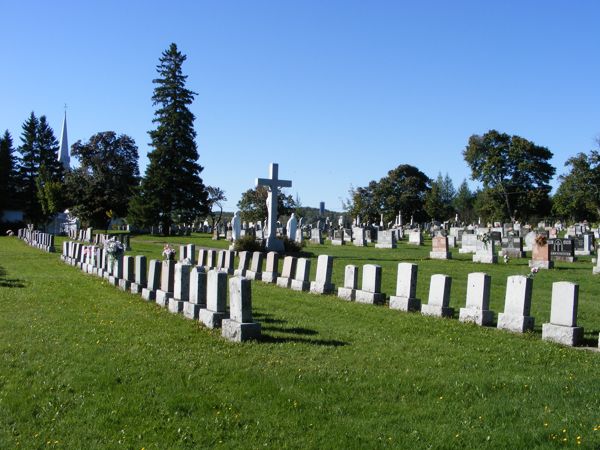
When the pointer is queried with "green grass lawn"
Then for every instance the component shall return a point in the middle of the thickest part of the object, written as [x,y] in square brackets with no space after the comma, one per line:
[85,365]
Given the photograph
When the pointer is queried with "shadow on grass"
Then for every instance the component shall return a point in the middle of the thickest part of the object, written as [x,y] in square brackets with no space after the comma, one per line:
[294,330]
[266,338]
[266,318]
[9,282]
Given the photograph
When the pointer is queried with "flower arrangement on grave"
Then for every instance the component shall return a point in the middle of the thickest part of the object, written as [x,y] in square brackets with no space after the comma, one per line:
[541,240]
[485,238]
[114,248]
[533,271]
[168,252]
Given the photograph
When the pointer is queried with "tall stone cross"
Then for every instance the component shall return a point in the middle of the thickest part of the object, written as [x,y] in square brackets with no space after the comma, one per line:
[273,183]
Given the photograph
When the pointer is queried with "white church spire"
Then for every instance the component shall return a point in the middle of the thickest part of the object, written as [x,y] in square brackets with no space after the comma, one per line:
[63,152]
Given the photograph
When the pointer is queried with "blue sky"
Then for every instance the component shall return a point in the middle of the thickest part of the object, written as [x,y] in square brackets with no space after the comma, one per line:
[336,92]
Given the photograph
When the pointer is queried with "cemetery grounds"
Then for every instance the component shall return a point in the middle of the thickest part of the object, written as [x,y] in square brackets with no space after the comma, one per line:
[85,365]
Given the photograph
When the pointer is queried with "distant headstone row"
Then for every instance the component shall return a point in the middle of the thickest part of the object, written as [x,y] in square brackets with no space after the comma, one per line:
[198,292]
[37,239]
[98,238]
[562,327]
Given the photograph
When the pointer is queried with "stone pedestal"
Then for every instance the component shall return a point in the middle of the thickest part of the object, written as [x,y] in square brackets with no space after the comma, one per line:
[541,264]
[560,334]
[321,288]
[284,282]
[239,332]
[175,306]
[346,293]
[299,285]
[162,297]
[211,319]
[374,298]
[191,310]
[478,316]
[269,277]
[148,294]
[515,323]
[124,285]
[440,255]
[405,303]
[437,311]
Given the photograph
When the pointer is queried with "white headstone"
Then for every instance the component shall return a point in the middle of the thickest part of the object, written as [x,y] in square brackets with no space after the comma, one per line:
[478,300]
[406,289]
[439,297]
[517,304]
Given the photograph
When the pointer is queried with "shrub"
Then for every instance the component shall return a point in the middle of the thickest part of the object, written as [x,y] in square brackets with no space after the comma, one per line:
[247,244]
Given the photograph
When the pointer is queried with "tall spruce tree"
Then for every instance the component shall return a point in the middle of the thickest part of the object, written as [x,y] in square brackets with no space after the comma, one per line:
[29,170]
[172,190]
[8,177]
[48,151]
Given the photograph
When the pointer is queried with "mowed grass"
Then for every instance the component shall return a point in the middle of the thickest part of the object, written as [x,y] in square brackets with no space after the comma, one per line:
[87,366]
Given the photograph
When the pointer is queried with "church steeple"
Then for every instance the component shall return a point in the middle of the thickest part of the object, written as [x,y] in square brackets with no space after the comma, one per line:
[63,152]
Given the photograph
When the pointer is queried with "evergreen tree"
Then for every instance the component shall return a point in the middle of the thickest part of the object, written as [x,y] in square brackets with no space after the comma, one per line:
[48,151]
[463,203]
[29,170]
[438,201]
[8,177]
[172,189]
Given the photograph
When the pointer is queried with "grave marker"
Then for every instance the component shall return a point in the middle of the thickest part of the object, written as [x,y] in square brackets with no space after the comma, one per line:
[406,289]
[370,291]
[563,327]
[478,300]
[240,326]
[439,297]
[322,283]
[517,305]
[348,291]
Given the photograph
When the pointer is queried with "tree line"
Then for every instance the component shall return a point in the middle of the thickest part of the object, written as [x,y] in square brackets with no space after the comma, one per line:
[107,182]
[514,174]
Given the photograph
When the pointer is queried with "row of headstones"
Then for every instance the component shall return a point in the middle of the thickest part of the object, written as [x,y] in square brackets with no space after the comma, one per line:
[100,239]
[295,272]
[197,293]
[37,239]
[562,327]
[360,237]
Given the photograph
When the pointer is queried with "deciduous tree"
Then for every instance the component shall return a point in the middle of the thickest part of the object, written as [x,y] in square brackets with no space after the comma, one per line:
[253,204]
[578,196]
[514,172]
[105,179]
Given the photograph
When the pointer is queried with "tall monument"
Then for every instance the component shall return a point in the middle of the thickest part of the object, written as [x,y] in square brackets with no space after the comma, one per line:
[63,151]
[273,183]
